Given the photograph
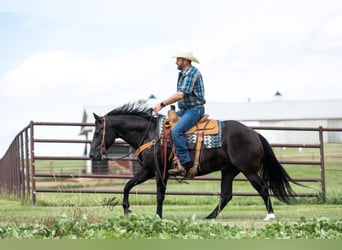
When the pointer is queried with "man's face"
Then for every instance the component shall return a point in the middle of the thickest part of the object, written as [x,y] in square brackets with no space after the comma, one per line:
[181,63]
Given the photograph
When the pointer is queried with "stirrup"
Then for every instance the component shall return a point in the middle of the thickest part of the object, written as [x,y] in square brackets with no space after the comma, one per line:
[177,172]
[178,169]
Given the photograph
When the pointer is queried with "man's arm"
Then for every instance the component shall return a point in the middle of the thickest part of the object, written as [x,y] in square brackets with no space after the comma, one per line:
[172,99]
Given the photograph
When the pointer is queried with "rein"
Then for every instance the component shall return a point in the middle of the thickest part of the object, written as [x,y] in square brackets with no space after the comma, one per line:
[141,147]
[103,139]
[165,137]
[147,145]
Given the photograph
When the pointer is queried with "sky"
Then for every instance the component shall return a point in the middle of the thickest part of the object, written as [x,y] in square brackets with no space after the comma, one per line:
[57,57]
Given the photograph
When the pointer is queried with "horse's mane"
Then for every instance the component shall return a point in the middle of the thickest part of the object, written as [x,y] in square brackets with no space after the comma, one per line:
[135,110]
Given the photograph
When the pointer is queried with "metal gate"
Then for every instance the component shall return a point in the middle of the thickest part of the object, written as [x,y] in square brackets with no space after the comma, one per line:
[18,172]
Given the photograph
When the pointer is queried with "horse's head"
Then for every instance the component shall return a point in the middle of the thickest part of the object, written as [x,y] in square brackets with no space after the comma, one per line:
[103,138]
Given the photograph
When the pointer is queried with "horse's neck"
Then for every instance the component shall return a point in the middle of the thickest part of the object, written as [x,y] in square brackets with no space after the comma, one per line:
[135,131]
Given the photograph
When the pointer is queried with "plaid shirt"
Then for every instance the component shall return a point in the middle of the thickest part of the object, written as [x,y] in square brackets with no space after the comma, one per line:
[190,82]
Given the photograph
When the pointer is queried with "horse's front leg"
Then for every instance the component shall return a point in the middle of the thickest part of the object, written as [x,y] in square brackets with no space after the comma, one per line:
[161,188]
[140,177]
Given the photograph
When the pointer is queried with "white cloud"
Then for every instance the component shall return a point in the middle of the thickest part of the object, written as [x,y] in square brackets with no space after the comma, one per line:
[329,34]
[59,72]
[111,52]
[50,71]
[246,43]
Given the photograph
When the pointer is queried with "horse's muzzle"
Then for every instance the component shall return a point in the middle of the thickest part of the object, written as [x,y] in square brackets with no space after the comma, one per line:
[97,156]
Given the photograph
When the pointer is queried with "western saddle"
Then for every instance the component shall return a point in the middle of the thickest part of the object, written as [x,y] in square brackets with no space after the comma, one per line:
[205,126]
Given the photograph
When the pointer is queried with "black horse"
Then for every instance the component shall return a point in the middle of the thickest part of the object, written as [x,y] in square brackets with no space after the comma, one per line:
[243,150]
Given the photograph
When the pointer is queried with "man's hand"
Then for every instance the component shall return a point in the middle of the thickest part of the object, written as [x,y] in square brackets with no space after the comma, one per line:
[157,108]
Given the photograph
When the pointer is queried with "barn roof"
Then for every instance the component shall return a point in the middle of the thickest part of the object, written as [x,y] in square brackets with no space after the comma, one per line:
[276,110]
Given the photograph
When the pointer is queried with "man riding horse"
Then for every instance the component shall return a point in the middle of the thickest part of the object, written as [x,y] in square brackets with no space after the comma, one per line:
[190,99]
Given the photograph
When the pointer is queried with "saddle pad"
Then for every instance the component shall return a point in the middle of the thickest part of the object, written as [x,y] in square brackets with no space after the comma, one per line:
[209,140]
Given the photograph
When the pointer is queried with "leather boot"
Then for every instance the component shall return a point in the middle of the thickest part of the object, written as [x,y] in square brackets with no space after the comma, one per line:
[178,169]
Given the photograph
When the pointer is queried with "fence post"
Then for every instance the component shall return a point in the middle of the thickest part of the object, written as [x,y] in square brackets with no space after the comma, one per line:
[27,157]
[33,164]
[321,148]
[22,165]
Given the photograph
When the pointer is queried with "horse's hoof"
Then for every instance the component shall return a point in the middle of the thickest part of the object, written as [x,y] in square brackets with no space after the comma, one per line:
[269,217]
[210,217]
[127,212]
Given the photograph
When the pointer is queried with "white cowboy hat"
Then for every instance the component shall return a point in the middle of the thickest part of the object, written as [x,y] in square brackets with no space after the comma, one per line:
[186,55]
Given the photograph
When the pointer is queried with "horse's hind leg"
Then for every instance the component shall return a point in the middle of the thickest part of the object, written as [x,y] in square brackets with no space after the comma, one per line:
[228,175]
[262,189]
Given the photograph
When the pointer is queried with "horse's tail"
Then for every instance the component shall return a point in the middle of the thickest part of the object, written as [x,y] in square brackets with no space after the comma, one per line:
[274,175]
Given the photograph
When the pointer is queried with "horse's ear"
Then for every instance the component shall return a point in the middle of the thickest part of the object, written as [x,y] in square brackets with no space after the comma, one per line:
[98,118]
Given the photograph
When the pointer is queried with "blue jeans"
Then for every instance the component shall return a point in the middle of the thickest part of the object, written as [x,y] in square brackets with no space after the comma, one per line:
[188,119]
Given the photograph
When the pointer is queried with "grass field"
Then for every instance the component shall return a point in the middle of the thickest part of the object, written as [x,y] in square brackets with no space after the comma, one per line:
[244,213]
[241,211]
[84,216]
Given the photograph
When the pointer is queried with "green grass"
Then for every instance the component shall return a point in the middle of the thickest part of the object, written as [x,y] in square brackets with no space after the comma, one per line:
[61,166]
[146,227]
[241,214]
[84,216]
[238,212]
